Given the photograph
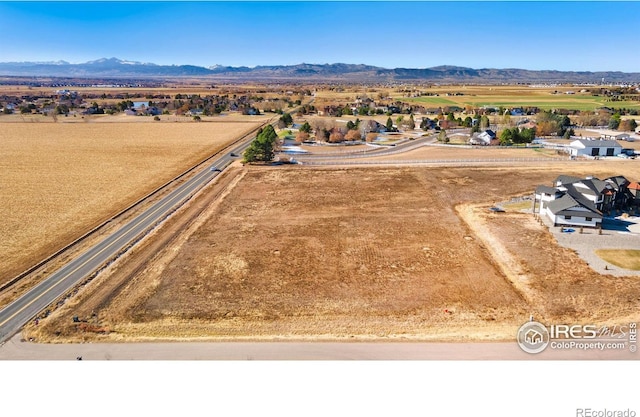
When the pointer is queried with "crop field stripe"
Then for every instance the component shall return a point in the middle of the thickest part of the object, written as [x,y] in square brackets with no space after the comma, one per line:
[178,196]
[535,100]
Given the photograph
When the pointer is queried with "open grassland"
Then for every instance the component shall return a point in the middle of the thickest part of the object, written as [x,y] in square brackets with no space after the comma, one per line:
[628,259]
[60,179]
[384,253]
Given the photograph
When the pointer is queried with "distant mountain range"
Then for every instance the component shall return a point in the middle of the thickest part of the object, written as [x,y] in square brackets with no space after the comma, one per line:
[113,67]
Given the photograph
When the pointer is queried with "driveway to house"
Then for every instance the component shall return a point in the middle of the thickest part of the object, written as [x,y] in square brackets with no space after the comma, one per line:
[587,242]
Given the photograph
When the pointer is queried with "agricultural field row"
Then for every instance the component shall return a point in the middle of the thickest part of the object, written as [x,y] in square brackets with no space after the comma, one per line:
[560,101]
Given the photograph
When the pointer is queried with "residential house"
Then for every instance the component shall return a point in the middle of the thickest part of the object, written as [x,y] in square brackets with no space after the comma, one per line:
[608,134]
[567,208]
[488,137]
[634,191]
[194,112]
[576,201]
[140,105]
[154,111]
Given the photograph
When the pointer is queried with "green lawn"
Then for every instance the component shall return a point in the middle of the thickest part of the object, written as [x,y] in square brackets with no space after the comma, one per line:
[522,205]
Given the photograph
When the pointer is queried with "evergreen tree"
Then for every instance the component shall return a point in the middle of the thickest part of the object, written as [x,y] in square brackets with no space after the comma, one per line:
[389,125]
[411,124]
[306,127]
[263,146]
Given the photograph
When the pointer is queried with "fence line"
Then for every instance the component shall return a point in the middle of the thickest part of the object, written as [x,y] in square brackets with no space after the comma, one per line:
[435,161]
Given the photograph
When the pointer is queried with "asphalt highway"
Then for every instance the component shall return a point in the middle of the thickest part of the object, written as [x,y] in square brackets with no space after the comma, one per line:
[28,306]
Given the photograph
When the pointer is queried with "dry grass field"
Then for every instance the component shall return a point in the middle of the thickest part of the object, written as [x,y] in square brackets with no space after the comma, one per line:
[562,285]
[629,258]
[378,253]
[122,118]
[463,153]
[60,179]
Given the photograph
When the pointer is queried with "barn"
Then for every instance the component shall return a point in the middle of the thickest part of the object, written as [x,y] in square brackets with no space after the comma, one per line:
[583,147]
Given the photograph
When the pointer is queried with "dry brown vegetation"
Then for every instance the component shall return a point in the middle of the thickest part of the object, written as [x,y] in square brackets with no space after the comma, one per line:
[565,287]
[60,179]
[363,253]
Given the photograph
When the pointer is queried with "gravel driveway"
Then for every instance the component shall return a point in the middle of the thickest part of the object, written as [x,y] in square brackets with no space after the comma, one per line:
[625,235]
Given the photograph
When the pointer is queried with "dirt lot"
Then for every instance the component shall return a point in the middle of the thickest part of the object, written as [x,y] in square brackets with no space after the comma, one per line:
[60,179]
[363,254]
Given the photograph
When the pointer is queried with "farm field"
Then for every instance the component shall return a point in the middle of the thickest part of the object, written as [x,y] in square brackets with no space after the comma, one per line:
[363,254]
[122,118]
[545,101]
[61,179]
[547,97]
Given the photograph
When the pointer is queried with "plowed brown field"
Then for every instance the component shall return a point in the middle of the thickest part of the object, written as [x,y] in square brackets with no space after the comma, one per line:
[60,179]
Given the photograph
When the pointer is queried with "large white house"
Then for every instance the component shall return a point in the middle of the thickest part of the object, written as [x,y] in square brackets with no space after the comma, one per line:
[576,201]
[566,209]
[583,147]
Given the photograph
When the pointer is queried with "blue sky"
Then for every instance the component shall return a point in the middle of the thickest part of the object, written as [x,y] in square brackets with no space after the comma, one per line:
[583,36]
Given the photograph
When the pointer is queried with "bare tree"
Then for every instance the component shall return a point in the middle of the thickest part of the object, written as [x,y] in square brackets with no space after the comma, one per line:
[302,136]
[336,136]
[353,135]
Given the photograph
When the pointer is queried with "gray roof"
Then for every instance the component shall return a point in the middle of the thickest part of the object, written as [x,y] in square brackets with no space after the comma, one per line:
[580,198]
[595,186]
[567,179]
[567,202]
[563,203]
[618,181]
[546,190]
[577,213]
[598,143]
